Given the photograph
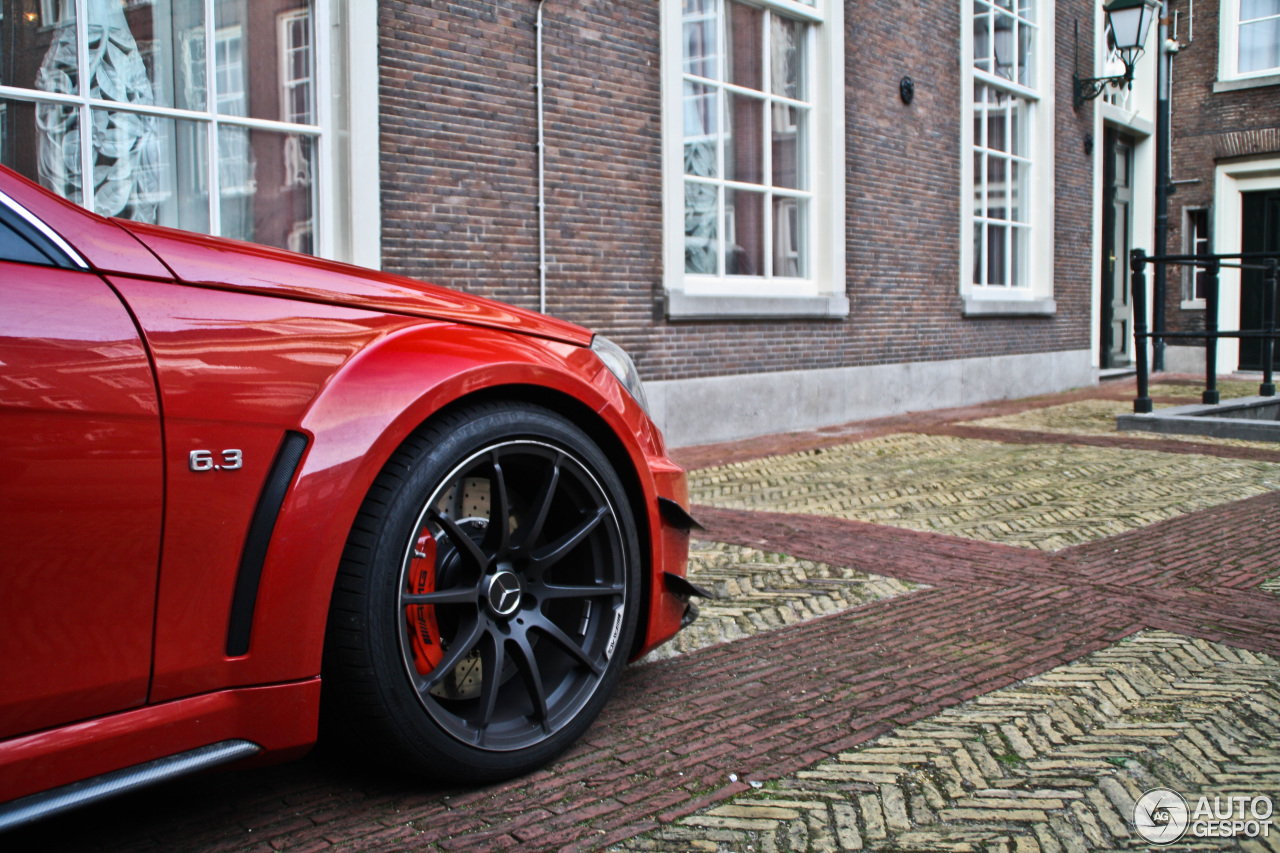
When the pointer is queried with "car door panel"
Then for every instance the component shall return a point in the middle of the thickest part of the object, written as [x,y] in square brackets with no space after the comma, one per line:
[81,491]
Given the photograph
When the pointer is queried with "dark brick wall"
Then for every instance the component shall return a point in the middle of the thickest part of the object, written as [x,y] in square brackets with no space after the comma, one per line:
[1208,128]
[459,183]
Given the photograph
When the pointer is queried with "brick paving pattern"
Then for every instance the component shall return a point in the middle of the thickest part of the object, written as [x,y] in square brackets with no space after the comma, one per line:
[1036,496]
[1054,763]
[974,581]
[757,591]
[1097,417]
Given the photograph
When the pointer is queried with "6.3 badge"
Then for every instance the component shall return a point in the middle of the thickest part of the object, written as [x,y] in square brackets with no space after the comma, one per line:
[202,460]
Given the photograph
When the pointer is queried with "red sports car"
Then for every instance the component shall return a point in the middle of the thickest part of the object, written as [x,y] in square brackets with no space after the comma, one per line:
[239,485]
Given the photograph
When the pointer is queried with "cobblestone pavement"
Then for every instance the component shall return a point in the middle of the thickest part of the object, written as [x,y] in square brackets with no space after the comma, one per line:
[933,635]
[1094,417]
[757,591]
[1054,763]
[1045,496]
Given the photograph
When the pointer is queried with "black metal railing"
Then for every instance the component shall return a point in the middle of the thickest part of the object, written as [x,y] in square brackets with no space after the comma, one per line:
[1267,262]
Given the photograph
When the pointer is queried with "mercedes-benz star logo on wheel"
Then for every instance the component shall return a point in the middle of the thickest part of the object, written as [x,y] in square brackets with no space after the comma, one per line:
[1161,816]
[504,593]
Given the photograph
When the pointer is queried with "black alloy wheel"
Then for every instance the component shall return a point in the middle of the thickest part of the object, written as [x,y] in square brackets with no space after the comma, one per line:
[488,596]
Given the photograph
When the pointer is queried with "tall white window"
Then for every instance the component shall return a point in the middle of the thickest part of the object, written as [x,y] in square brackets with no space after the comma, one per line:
[750,151]
[1252,38]
[193,113]
[746,193]
[1008,167]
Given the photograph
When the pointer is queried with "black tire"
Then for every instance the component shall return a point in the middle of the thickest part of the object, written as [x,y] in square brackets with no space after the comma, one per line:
[488,656]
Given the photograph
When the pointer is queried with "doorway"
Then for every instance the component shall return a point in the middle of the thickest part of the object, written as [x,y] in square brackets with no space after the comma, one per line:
[1117,240]
[1259,232]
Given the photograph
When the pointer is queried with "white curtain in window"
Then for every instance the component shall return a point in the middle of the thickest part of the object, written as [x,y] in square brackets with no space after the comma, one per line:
[126,171]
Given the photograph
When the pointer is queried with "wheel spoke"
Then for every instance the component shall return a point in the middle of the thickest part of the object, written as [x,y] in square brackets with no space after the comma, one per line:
[537,516]
[532,677]
[457,651]
[545,558]
[550,591]
[457,595]
[472,556]
[498,534]
[493,658]
[564,641]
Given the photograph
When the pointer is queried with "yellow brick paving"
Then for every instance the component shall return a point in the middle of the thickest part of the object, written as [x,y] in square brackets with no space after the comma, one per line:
[757,591]
[1227,389]
[1052,764]
[1098,417]
[1044,496]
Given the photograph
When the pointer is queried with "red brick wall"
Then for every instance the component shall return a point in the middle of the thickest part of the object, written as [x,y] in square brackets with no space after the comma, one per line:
[459,183]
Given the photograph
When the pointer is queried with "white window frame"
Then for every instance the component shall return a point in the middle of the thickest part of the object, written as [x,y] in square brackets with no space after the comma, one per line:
[1230,181]
[1229,53]
[1189,239]
[822,292]
[1034,297]
[345,60]
[286,50]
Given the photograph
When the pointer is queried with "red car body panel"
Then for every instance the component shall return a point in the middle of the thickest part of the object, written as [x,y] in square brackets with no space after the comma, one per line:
[81,494]
[262,269]
[244,344]
[281,718]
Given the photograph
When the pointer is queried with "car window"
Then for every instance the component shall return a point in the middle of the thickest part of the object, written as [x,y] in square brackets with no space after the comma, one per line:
[20,242]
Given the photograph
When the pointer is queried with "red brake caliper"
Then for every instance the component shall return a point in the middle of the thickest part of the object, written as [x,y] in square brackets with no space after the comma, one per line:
[422,618]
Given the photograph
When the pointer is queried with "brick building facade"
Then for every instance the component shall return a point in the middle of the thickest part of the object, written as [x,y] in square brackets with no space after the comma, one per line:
[459,195]
[791,212]
[1225,164]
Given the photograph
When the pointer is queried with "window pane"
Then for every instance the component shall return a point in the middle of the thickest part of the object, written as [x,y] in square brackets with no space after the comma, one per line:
[979,243]
[42,142]
[38,46]
[1026,55]
[1018,256]
[268,42]
[1260,46]
[746,46]
[786,57]
[1018,195]
[997,240]
[142,53]
[701,129]
[744,224]
[1253,9]
[126,164]
[982,16]
[150,169]
[744,149]
[997,121]
[266,187]
[700,41]
[1018,125]
[701,224]
[789,229]
[997,187]
[1002,46]
[788,145]
[979,197]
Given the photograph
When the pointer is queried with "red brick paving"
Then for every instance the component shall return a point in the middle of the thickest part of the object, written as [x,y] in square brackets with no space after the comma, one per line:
[763,706]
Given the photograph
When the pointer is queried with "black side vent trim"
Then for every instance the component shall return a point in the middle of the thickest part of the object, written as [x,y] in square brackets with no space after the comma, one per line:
[255,545]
